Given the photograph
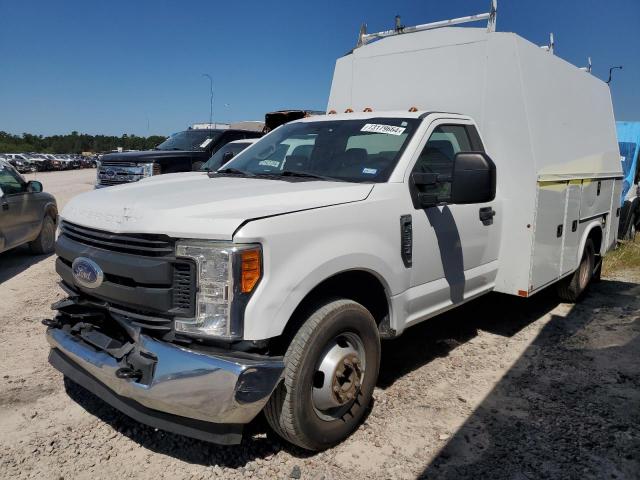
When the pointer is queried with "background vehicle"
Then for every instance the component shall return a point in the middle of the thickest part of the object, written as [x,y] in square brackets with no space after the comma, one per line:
[27,214]
[20,162]
[226,153]
[182,152]
[629,143]
[42,162]
[268,284]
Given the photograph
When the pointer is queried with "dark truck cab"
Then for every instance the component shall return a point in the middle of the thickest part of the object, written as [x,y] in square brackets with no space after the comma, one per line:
[182,152]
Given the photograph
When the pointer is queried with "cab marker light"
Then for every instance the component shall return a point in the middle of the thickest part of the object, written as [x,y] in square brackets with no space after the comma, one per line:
[348,110]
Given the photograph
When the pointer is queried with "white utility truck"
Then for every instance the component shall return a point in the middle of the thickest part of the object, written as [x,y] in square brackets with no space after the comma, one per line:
[468,161]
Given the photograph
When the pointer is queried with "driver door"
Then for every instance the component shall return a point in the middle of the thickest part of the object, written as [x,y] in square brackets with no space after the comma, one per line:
[455,251]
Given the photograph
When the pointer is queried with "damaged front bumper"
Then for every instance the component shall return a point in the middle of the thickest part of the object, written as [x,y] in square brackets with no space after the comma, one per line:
[206,395]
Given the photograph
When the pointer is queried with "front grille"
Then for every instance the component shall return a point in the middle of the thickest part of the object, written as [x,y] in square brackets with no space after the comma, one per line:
[144,283]
[147,245]
[116,173]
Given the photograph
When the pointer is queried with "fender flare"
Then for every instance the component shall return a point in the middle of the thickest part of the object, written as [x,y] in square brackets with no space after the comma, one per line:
[587,231]
[327,271]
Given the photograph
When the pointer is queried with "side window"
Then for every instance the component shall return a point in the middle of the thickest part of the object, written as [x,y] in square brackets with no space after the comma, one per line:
[10,182]
[438,154]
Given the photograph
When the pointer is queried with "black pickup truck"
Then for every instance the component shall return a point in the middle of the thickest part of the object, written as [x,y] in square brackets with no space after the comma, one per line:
[182,152]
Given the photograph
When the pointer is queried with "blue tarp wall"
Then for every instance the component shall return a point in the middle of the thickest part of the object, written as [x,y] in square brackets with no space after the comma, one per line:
[629,143]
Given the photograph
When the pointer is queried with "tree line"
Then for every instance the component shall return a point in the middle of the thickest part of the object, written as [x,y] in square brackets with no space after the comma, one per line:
[74,143]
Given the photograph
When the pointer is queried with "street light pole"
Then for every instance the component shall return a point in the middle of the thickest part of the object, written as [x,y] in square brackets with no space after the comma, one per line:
[211,97]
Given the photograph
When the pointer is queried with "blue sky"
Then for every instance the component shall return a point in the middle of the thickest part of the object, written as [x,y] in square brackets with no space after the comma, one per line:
[116,67]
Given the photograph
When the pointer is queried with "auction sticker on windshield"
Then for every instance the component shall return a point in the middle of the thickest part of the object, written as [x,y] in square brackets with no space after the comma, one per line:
[378,128]
[206,142]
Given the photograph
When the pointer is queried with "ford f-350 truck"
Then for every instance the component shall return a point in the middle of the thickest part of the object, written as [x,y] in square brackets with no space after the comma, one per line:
[467,161]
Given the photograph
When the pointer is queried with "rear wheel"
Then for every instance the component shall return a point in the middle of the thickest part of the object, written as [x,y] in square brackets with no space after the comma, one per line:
[571,287]
[46,240]
[331,368]
[631,230]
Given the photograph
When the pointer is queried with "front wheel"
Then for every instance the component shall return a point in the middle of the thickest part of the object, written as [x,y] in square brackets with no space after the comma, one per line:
[331,368]
[46,240]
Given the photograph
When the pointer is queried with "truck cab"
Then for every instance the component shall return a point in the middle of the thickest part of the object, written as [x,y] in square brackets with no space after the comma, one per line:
[182,152]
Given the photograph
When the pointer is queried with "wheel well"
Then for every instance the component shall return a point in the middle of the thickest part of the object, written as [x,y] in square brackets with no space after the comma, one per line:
[596,237]
[357,285]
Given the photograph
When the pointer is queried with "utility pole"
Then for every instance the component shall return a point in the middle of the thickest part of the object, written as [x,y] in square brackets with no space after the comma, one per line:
[210,97]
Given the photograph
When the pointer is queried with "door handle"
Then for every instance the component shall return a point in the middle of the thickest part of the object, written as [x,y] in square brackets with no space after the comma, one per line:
[5,206]
[486,215]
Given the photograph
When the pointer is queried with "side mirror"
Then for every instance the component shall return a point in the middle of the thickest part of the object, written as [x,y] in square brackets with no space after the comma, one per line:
[226,156]
[34,186]
[473,179]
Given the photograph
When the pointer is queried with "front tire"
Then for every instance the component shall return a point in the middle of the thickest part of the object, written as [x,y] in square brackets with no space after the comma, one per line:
[46,241]
[572,287]
[331,369]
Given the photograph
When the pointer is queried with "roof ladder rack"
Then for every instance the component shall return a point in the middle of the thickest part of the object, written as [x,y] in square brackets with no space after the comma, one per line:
[364,37]
[588,67]
[549,48]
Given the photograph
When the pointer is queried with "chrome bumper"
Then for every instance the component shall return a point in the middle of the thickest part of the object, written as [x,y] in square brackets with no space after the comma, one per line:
[185,384]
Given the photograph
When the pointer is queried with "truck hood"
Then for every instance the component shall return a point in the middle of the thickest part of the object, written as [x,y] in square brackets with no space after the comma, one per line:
[149,155]
[192,205]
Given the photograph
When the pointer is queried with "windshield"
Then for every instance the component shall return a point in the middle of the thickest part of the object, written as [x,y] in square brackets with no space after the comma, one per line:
[222,156]
[347,150]
[189,140]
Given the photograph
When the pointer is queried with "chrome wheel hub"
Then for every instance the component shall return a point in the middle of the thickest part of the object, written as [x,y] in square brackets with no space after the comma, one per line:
[339,376]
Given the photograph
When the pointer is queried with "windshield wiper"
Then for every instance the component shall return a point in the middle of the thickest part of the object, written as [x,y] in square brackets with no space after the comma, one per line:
[292,173]
[232,171]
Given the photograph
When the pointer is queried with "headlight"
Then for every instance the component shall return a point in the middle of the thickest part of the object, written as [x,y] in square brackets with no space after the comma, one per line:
[147,169]
[227,274]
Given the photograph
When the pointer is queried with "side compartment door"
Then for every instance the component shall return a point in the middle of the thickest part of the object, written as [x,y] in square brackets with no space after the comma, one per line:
[454,251]
[572,231]
[548,233]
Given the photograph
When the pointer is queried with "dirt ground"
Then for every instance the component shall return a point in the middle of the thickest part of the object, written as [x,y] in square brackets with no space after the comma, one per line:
[500,388]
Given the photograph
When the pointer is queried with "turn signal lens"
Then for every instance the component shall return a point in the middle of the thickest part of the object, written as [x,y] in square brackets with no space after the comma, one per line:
[251,270]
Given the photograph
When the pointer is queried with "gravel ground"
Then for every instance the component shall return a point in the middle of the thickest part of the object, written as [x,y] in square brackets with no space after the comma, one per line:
[500,388]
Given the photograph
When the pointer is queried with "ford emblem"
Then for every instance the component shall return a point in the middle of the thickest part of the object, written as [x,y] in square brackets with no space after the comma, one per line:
[110,173]
[87,273]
